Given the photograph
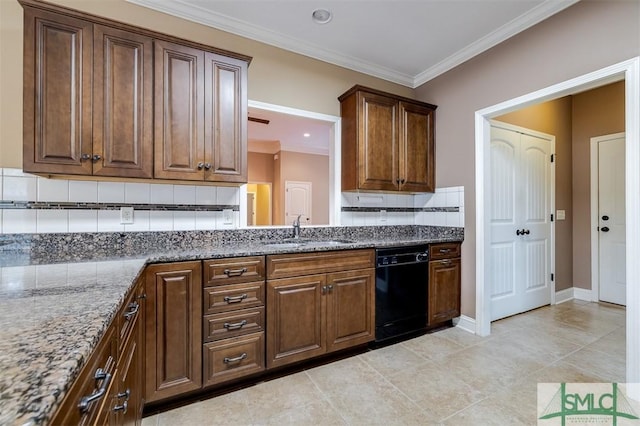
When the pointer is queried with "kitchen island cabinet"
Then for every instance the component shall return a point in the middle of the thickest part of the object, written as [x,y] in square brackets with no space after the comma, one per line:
[388,142]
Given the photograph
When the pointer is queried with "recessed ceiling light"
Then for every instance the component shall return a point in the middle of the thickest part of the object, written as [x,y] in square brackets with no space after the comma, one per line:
[306,135]
[321,16]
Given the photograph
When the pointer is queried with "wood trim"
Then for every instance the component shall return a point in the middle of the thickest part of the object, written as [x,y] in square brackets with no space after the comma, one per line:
[359,88]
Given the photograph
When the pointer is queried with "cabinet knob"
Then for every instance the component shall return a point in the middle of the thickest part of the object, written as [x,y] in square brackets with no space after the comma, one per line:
[96,158]
[85,157]
[207,166]
[200,165]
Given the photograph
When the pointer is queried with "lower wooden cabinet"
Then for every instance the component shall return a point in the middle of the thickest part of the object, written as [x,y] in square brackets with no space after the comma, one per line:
[88,400]
[309,315]
[173,329]
[444,283]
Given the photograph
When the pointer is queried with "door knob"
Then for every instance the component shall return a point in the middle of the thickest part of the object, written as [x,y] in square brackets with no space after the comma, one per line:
[526,232]
[605,217]
[605,229]
[518,232]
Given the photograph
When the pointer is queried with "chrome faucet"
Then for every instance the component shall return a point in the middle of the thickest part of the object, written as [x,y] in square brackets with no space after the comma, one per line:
[296,227]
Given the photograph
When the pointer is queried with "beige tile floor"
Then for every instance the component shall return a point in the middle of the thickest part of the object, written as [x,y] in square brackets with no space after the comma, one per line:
[450,377]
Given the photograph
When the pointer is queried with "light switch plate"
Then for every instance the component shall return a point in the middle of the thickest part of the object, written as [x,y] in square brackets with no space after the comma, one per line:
[126,215]
[227,217]
[560,214]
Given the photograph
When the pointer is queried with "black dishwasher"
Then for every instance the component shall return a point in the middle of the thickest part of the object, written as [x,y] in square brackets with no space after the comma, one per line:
[401,291]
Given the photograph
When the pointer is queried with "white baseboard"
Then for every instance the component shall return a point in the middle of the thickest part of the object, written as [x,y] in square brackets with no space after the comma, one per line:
[564,295]
[583,294]
[465,323]
[574,293]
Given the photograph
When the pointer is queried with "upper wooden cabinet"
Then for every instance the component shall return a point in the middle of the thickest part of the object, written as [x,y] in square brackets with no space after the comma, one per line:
[91,86]
[200,115]
[388,142]
[58,58]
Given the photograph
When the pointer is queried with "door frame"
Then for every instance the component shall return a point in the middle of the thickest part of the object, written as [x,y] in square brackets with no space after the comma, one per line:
[629,71]
[595,235]
[552,205]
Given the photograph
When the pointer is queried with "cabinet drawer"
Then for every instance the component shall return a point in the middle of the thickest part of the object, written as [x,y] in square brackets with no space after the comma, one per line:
[232,324]
[444,251]
[233,270]
[232,297]
[293,265]
[230,359]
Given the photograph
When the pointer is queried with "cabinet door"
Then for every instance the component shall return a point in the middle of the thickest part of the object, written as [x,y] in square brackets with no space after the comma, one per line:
[416,148]
[444,290]
[122,103]
[377,142]
[179,112]
[225,119]
[128,400]
[57,93]
[173,328]
[295,316]
[350,308]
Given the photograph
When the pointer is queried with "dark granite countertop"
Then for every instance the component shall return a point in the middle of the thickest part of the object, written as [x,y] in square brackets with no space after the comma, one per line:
[59,293]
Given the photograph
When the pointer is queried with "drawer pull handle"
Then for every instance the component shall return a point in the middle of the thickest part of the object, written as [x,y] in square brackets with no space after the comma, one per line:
[134,308]
[236,359]
[234,272]
[237,325]
[446,262]
[235,299]
[445,250]
[86,401]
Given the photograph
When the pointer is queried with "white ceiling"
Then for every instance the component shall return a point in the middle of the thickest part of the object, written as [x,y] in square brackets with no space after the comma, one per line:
[408,42]
[404,41]
[286,132]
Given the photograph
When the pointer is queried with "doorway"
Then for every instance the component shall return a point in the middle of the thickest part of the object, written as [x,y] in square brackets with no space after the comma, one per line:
[522,198]
[259,204]
[629,71]
[608,222]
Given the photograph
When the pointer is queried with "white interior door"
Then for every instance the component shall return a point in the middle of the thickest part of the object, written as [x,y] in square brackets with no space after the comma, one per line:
[520,218]
[297,202]
[611,219]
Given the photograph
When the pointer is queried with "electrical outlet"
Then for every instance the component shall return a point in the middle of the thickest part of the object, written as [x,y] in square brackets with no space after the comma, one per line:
[560,215]
[126,215]
[383,215]
[227,217]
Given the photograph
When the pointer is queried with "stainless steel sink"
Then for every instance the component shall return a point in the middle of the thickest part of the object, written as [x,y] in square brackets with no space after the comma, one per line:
[299,242]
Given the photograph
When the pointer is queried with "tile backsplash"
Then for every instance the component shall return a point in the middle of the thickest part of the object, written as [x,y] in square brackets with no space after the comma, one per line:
[445,207]
[33,204]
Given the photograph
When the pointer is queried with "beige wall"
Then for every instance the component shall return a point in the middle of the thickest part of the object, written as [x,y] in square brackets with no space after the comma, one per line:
[587,36]
[595,113]
[275,76]
[296,166]
[260,167]
[554,118]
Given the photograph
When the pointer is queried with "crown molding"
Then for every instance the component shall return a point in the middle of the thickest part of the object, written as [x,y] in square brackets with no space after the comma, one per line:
[238,27]
[521,23]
